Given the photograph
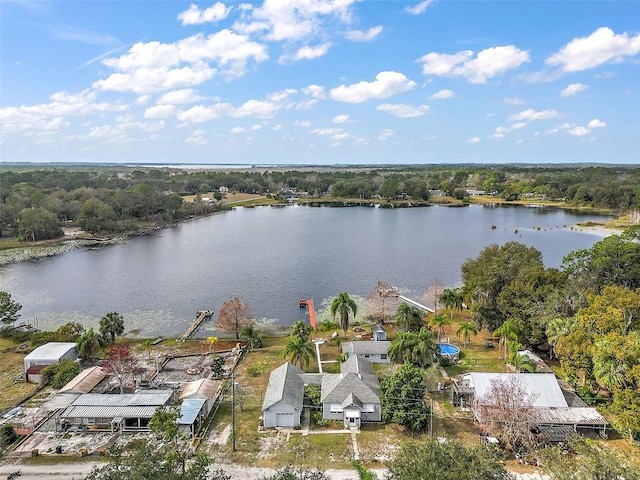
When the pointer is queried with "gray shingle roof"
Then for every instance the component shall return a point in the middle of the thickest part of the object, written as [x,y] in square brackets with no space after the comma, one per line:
[357,378]
[285,385]
[366,347]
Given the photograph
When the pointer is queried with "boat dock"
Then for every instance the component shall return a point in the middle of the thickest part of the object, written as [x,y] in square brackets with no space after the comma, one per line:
[308,303]
[201,316]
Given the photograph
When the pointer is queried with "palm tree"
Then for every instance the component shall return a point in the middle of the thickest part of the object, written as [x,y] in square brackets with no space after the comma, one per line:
[465,330]
[401,347]
[111,325]
[556,328]
[425,347]
[298,351]
[146,346]
[254,339]
[344,305]
[89,343]
[301,330]
[452,299]
[410,317]
[507,331]
[440,321]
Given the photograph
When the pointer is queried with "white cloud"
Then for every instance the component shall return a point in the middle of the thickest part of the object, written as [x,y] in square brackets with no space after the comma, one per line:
[573,89]
[514,101]
[179,97]
[419,8]
[308,53]
[474,140]
[282,95]
[442,95]
[402,110]
[160,111]
[600,47]
[385,85]
[256,127]
[143,99]
[502,131]
[316,91]
[341,119]
[200,113]
[364,36]
[385,134]
[195,16]
[327,131]
[197,137]
[579,131]
[596,123]
[302,123]
[237,130]
[530,115]
[145,80]
[256,108]
[277,127]
[487,64]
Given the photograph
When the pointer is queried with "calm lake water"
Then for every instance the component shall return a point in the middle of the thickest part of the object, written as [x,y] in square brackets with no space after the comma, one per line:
[273,257]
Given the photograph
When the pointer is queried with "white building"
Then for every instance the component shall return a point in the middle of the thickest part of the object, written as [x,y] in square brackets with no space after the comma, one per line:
[45,355]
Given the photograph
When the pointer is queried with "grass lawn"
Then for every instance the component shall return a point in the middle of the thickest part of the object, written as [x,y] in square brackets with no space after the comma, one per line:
[12,367]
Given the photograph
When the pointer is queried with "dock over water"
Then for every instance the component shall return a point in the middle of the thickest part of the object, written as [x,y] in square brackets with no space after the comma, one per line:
[201,316]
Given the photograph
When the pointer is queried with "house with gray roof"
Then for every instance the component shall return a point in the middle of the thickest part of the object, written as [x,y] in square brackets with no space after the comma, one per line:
[374,351]
[283,399]
[352,396]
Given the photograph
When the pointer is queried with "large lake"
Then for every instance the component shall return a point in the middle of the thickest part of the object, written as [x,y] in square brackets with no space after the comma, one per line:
[273,257]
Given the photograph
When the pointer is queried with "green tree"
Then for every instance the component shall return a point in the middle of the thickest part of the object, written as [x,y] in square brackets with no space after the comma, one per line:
[465,330]
[450,460]
[402,398]
[299,351]
[69,332]
[452,299]
[416,348]
[252,335]
[89,344]
[507,331]
[590,462]
[9,309]
[343,305]
[96,216]
[409,317]
[440,321]
[111,326]
[8,435]
[59,374]
[38,224]
[302,330]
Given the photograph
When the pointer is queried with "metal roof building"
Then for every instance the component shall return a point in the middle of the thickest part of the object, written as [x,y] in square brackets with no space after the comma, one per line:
[48,354]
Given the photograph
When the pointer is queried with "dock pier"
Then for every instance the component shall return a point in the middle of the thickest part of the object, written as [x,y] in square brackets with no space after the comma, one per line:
[201,316]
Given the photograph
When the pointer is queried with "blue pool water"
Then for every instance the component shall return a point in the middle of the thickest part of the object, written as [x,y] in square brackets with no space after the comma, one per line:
[448,349]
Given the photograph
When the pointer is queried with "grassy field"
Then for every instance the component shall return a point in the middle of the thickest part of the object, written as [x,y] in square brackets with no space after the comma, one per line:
[12,361]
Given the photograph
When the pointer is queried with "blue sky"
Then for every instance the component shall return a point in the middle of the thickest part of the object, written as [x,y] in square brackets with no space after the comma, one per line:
[320,81]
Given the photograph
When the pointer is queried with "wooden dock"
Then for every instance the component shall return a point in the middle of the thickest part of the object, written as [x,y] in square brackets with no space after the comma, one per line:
[201,316]
[308,303]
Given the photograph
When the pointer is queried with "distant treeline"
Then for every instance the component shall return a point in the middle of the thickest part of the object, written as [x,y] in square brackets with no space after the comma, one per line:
[37,201]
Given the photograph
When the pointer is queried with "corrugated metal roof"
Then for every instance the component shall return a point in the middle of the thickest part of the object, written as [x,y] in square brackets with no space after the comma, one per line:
[140,399]
[189,410]
[61,400]
[100,411]
[51,351]
[85,381]
[573,416]
[366,347]
[542,387]
[203,388]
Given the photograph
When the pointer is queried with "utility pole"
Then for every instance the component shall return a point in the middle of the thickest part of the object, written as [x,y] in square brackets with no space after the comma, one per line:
[233,411]
[431,420]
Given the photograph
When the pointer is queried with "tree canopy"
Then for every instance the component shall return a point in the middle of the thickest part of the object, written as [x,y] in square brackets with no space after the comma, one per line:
[402,398]
[234,316]
[9,309]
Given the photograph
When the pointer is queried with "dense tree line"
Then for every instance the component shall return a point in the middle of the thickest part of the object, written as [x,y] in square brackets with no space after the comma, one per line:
[36,202]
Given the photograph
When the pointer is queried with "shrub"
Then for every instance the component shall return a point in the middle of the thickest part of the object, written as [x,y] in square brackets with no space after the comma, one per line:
[8,435]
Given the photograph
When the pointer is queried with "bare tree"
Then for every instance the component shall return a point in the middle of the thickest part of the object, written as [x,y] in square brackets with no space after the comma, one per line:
[381,300]
[433,292]
[234,316]
[506,411]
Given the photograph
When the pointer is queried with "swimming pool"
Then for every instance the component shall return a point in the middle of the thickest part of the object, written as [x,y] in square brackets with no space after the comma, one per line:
[449,350]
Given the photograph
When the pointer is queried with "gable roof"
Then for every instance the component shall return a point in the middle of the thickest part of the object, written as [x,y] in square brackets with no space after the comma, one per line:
[203,388]
[85,381]
[366,347]
[51,351]
[357,378]
[543,387]
[285,385]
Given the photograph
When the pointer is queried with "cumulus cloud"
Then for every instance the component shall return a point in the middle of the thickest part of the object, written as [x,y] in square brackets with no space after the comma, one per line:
[514,101]
[195,16]
[179,97]
[442,95]
[327,131]
[316,91]
[487,64]
[364,36]
[237,130]
[341,119]
[386,134]
[302,123]
[256,108]
[160,111]
[201,113]
[579,131]
[197,137]
[474,140]
[502,131]
[402,110]
[596,123]
[601,47]
[573,89]
[307,53]
[530,115]
[385,85]
[419,8]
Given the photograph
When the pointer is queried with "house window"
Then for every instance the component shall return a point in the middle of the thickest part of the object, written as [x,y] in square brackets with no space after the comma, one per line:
[383,356]
[368,408]
[336,408]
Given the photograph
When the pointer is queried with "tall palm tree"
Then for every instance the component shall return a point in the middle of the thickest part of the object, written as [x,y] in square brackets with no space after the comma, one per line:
[299,351]
[343,305]
[301,329]
[89,343]
[440,321]
[425,347]
[465,330]
[401,347]
[111,326]
[556,328]
[452,299]
[507,331]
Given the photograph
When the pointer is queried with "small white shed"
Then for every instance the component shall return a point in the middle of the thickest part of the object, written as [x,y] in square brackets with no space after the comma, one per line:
[47,354]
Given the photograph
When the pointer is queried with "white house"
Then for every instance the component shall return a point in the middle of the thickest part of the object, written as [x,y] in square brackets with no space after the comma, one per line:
[283,399]
[45,355]
[374,351]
